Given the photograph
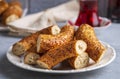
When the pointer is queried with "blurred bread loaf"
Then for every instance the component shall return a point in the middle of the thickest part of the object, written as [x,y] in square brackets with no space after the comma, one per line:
[12,13]
[3,6]
[95,49]
[15,3]
[26,43]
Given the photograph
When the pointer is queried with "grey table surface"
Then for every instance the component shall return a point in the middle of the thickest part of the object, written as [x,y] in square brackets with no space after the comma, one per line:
[9,71]
[110,35]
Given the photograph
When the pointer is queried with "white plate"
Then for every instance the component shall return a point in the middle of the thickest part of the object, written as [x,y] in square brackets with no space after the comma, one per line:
[108,57]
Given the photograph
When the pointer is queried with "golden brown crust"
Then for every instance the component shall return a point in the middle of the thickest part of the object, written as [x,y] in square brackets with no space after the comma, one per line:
[95,49]
[47,42]
[15,3]
[16,6]
[3,6]
[34,49]
[80,61]
[29,41]
[58,54]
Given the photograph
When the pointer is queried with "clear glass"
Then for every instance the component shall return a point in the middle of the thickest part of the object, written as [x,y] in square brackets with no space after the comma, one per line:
[88,13]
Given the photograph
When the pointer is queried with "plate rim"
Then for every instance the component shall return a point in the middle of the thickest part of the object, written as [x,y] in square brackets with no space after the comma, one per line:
[61,71]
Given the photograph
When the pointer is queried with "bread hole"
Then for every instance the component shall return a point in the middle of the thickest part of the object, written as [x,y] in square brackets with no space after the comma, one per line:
[80,47]
[55,30]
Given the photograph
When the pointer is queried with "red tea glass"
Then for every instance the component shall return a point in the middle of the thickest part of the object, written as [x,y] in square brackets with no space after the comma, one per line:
[88,13]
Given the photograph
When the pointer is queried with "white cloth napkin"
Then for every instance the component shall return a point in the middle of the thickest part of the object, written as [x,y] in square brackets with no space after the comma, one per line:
[43,19]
